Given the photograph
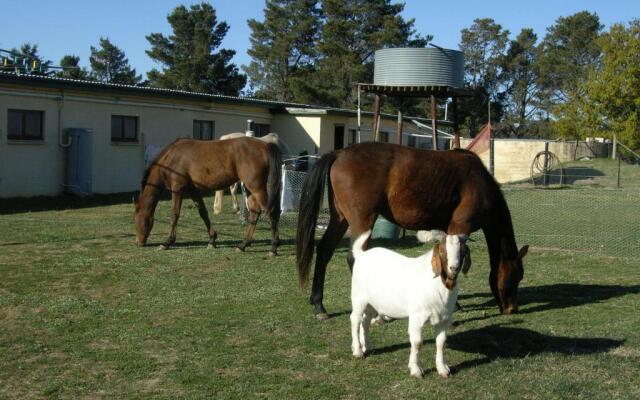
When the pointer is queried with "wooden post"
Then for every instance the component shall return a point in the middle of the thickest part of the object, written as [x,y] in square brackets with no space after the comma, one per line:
[399,133]
[545,177]
[434,127]
[456,129]
[376,118]
[492,156]
[619,160]
[614,150]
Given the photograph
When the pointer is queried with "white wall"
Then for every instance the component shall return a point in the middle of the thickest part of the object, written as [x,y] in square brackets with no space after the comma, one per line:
[29,168]
[37,168]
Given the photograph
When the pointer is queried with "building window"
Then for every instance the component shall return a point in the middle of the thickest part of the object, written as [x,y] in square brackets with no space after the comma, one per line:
[384,137]
[353,137]
[259,130]
[124,128]
[411,142]
[204,130]
[25,125]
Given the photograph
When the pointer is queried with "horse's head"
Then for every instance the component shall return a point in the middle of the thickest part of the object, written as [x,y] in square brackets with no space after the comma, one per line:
[143,220]
[510,273]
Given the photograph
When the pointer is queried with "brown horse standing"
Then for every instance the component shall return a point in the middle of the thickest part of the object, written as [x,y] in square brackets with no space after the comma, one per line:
[416,189]
[189,166]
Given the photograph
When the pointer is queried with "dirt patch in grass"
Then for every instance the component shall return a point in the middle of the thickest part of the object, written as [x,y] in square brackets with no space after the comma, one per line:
[626,352]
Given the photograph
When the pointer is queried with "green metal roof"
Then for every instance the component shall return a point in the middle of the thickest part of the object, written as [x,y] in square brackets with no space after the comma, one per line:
[119,89]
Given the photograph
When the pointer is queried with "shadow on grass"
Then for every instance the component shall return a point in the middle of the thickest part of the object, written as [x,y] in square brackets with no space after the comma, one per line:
[498,341]
[556,296]
[63,202]
[505,342]
[224,243]
[70,202]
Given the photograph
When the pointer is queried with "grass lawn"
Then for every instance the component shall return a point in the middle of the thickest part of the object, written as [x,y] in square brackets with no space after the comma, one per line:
[86,314]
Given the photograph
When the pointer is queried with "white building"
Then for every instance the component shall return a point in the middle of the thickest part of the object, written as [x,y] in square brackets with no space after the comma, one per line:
[38,112]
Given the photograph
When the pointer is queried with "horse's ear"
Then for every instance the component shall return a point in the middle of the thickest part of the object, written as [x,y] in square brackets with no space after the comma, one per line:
[523,251]
[466,259]
[436,261]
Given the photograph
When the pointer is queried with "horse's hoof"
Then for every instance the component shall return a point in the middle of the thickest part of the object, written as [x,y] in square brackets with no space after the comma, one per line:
[163,247]
[322,317]
[239,250]
[211,246]
[272,254]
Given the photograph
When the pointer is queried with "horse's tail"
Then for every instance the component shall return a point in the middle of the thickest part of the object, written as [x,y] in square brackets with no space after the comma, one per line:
[310,200]
[274,180]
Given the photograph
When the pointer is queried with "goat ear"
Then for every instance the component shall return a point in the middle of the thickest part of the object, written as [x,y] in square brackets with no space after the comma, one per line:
[436,261]
[523,251]
[466,259]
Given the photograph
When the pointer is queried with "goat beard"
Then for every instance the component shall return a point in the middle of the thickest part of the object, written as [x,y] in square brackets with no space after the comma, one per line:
[450,282]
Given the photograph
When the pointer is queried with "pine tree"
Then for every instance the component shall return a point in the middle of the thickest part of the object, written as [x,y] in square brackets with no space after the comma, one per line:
[109,64]
[484,44]
[188,56]
[351,34]
[71,68]
[520,76]
[29,61]
[283,49]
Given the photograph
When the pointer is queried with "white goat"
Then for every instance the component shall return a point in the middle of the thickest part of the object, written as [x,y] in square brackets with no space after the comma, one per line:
[421,289]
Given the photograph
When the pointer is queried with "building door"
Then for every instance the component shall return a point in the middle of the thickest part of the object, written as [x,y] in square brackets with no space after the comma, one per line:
[338,137]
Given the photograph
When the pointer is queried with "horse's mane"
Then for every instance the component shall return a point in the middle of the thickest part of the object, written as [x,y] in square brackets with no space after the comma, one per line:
[164,151]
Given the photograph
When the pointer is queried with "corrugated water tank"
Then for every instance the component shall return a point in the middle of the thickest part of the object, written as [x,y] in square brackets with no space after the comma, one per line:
[430,66]
[79,161]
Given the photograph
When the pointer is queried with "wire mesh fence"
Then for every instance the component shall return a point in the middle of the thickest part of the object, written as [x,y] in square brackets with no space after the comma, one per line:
[590,220]
[593,212]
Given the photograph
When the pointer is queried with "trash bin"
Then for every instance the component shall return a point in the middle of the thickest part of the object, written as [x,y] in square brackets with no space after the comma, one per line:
[383,229]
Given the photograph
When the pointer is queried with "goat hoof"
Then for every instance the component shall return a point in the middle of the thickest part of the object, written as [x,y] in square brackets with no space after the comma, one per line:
[445,373]
[322,317]
[417,372]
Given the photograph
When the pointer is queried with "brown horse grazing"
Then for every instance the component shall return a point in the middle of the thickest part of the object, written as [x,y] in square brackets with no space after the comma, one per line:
[189,166]
[450,191]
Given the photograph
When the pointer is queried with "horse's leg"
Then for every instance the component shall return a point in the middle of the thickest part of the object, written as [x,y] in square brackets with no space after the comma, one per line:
[234,196]
[275,234]
[493,245]
[254,214]
[204,214]
[217,202]
[176,200]
[327,246]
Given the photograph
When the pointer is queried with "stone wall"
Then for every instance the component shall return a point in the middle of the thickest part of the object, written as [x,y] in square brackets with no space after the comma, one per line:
[513,157]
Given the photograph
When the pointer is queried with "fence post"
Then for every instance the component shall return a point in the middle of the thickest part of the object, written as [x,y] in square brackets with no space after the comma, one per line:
[619,160]
[545,176]
[614,150]
[491,157]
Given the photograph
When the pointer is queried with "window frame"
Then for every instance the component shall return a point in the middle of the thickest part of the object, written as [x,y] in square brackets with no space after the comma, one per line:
[22,136]
[384,137]
[123,138]
[201,122]
[260,130]
[353,137]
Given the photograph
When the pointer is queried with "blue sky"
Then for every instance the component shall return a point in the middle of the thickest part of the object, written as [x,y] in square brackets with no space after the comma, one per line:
[71,26]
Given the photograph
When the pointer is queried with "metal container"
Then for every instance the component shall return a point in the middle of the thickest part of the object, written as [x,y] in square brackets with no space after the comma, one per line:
[430,66]
[384,229]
